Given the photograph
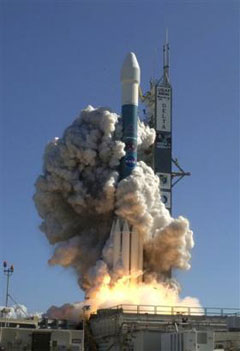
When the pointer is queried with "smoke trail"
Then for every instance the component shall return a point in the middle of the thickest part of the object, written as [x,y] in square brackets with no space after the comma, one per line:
[78,194]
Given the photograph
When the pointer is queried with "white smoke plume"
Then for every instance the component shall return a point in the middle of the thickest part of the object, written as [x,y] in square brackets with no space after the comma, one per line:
[17,312]
[68,311]
[78,195]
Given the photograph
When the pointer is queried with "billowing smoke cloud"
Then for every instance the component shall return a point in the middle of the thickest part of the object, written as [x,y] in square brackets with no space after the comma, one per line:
[78,195]
[67,311]
[75,196]
[17,312]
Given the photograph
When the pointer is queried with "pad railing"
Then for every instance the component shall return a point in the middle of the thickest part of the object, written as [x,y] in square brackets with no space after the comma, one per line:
[178,310]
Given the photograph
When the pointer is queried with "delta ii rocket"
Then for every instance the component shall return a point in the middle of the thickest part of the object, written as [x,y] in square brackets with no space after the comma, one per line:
[127,243]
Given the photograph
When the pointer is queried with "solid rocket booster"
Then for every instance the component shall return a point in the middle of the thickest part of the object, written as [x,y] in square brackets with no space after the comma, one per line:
[127,250]
[127,243]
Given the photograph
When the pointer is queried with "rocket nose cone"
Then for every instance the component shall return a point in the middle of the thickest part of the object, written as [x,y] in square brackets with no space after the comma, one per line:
[130,71]
[131,60]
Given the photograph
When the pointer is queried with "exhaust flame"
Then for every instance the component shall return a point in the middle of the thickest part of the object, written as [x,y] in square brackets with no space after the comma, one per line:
[152,294]
[150,298]
[78,196]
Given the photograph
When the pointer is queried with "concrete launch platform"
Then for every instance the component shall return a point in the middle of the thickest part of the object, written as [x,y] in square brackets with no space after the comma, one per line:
[151,328]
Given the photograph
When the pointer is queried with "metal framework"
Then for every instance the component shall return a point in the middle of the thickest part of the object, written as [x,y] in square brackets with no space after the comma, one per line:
[176,310]
[179,174]
[158,102]
[8,271]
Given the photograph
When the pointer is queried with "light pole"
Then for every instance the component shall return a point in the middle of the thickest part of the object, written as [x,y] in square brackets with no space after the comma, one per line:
[8,271]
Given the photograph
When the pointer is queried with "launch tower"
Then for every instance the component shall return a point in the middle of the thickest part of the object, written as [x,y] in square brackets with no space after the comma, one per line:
[158,102]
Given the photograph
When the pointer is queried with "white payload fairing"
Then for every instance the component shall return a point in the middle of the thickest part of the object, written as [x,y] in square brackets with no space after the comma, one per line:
[127,242]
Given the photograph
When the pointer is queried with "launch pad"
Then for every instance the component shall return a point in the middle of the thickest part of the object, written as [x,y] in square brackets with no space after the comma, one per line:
[129,328]
[163,328]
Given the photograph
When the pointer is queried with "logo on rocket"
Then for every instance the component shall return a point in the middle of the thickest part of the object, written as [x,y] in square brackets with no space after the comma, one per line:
[131,146]
[130,161]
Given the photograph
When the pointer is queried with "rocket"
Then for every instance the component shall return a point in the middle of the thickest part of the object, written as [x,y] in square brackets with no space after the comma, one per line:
[127,243]
[130,80]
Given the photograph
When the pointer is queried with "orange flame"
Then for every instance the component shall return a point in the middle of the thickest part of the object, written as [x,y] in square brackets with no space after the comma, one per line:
[153,294]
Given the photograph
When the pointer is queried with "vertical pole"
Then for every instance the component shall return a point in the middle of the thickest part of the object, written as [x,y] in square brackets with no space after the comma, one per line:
[8,275]
[8,271]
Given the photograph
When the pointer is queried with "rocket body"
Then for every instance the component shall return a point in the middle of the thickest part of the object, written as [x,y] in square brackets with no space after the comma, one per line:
[130,80]
[127,242]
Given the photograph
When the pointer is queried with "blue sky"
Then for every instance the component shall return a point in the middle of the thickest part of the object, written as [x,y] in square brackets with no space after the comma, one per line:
[59,56]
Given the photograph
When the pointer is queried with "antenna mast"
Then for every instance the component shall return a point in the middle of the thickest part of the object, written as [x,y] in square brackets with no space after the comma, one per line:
[166,60]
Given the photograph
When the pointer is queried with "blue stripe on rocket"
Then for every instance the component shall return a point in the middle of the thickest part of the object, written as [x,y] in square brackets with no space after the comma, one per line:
[130,124]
